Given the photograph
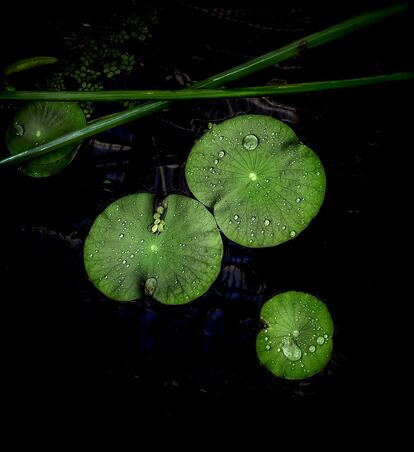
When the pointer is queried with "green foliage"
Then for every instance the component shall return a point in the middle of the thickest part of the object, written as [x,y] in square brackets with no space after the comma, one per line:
[263,184]
[38,123]
[296,341]
[126,257]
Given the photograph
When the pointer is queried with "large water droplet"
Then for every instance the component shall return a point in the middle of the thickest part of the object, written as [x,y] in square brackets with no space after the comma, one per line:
[250,142]
[18,129]
[292,233]
[291,350]
[221,154]
[312,348]
[320,340]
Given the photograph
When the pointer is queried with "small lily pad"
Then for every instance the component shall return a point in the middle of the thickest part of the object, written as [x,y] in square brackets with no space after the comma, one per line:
[38,123]
[264,185]
[297,340]
[126,257]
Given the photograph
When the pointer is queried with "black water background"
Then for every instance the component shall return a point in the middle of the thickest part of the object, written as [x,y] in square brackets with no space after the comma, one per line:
[82,353]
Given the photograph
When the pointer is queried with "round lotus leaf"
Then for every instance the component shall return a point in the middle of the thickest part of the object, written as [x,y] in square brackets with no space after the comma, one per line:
[38,123]
[264,185]
[297,340]
[125,259]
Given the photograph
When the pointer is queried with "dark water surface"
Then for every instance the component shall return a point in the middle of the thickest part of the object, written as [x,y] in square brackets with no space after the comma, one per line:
[68,346]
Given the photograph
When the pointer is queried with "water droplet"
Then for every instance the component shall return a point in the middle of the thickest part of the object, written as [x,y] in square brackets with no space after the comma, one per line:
[312,348]
[320,340]
[325,336]
[295,333]
[250,142]
[132,256]
[283,227]
[292,233]
[291,350]
[121,236]
[253,218]
[298,200]
[154,247]
[318,173]
[252,234]
[267,347]
[18,129]
[266,222]
[236,217]
[230,222]
[216,161]
[266,338]
[221,138]
[142,240]
[221,154]
[91,255]
[124,261]
[211,169]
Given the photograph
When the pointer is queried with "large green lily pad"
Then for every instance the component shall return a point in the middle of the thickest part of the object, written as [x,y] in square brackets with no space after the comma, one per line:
[297,340]
[124,259]
[264,185]
[38,123]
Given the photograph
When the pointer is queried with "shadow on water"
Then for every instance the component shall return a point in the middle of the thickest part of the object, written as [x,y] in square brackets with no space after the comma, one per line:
[69,343]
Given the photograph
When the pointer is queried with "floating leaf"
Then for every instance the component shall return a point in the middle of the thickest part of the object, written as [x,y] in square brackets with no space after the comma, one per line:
[297,340]
[126,258]
[38,123]
[264,185]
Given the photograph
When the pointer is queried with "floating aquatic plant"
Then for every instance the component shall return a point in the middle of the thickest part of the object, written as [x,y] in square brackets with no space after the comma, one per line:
[38,123]
[264,185]
[170,251]
[296,342]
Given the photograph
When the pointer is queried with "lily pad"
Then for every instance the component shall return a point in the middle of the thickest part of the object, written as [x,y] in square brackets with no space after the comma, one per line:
[297,340]
[38,123]
[265,185]
[126,255]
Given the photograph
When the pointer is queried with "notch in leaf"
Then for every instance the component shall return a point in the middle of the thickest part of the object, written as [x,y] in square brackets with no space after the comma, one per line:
[265,185]
[127,258]
[297,340]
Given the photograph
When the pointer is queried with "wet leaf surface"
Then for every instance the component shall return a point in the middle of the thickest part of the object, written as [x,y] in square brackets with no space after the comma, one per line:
[126,258]
[264,185]
[296,342]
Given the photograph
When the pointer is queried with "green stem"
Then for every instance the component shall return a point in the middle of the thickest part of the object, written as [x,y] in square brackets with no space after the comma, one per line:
[190,94]
[336,32]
